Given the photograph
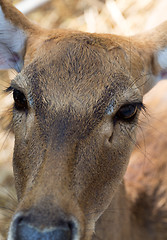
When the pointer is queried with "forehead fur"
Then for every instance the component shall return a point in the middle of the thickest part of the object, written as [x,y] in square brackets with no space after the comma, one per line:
[79,71]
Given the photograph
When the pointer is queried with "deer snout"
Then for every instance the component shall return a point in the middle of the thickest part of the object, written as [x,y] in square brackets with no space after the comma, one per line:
[23,228]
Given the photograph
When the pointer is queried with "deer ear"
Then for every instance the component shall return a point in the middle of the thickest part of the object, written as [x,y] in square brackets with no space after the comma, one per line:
[14,31]
[12,44]
[161,58]
[158,41]
[152,46]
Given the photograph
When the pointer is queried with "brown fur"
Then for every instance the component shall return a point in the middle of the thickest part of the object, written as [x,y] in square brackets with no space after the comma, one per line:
[70,156]
[139,206]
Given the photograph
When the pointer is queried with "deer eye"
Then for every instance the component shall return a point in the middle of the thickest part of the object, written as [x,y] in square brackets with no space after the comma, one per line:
[20,101]
[128,111]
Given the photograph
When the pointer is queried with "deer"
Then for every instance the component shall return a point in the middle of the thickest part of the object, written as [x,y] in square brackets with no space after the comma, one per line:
[139,205]
[77,98]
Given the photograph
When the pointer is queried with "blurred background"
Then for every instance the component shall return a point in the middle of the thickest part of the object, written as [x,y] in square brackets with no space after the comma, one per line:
[125,17]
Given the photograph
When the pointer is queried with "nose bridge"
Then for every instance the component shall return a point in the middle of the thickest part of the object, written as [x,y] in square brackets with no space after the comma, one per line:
[58,163]
[52,181]
[46,202]
[54,177]
[55,174]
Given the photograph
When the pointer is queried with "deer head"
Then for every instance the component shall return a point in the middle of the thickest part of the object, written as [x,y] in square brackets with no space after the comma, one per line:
[77,98]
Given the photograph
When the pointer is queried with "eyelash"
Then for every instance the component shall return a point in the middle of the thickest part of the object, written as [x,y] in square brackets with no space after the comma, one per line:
[9,89]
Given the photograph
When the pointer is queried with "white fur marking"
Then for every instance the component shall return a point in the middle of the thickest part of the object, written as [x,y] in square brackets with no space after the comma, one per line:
[110,108]
[162,58]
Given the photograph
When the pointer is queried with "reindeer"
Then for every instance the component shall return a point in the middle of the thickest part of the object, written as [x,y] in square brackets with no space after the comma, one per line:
[77,99]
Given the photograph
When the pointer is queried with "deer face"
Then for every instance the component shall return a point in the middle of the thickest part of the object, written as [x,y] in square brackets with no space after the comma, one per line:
[76,105]
[74,116]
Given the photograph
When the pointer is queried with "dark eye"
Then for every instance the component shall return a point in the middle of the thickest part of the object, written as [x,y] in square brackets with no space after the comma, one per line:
[128,112]
[20,101]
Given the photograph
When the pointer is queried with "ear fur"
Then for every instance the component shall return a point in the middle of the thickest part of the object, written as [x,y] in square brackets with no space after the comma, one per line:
[14,30]
[12,44]
[162,60]
[159,40]
[153,46]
